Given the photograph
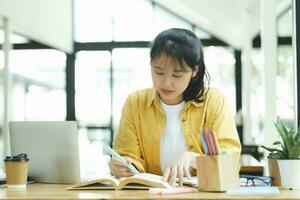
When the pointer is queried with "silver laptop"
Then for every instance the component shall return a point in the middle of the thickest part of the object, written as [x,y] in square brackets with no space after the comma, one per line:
[52,148]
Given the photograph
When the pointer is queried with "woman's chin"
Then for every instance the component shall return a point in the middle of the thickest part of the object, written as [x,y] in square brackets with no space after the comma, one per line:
[171,101]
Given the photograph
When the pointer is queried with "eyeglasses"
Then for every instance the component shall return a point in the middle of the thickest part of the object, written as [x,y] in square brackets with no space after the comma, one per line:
[249,180]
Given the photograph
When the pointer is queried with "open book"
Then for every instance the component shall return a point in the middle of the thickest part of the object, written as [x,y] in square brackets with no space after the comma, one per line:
[138,181]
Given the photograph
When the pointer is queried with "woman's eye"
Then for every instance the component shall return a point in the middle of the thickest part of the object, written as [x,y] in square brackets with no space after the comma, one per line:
[159,73]
[177,76]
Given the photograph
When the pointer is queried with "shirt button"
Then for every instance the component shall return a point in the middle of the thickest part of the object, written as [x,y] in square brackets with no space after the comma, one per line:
[191,146]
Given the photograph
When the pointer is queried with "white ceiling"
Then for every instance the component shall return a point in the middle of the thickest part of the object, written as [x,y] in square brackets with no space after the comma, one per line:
[224,19]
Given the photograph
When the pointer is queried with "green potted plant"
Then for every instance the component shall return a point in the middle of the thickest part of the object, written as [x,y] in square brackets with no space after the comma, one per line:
[287,154]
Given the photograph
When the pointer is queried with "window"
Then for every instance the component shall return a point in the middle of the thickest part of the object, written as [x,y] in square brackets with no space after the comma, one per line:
[93,20]
[285,85]
[256,98]
[1,90]
[201,34]
[133,20]
[285,82]
[285,26]
[164,20]
[129,75]
[220,64]
[93,97]
[38,81]
[14,38]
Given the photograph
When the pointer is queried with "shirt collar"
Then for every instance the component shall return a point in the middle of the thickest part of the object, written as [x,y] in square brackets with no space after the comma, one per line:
[152,97]
[197,104]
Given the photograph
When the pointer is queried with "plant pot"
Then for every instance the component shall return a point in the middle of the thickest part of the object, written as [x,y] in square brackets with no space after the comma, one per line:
[289,173]
[274,172]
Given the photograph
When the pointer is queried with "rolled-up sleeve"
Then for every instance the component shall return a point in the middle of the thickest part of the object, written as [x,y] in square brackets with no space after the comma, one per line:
[223,124]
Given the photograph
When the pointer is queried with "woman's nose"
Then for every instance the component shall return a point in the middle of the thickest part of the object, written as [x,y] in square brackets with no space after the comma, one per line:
[167,82]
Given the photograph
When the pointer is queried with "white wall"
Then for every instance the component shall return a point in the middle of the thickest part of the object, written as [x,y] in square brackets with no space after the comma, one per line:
[46,21]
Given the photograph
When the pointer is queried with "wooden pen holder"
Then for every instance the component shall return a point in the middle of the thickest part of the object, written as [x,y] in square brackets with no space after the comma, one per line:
[217,173]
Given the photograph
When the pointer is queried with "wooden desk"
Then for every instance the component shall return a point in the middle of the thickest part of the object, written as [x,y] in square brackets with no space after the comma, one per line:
[53,191]
[250,165]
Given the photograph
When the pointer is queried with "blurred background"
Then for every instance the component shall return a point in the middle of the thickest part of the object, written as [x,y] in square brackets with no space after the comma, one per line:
[79,59]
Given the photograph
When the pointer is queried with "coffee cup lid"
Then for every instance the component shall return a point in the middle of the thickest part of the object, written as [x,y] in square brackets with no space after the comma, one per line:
[20,157]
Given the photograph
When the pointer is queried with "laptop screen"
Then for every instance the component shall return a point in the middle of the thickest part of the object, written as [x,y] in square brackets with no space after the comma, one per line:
[51,146]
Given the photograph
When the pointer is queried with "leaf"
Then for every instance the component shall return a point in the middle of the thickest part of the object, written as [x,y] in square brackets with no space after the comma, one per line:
[282,130]
[297,136]
[275,152]
[282,154]
[277,143]
[274,156]
[290,145]
[294,152]
[269,149]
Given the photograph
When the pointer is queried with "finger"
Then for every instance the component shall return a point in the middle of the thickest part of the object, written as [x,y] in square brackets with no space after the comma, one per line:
[115,166]
[187,172]
[166,174]
[118,162]
[173,176]
[127,174]
[122,174]
[180,175]
[129,160]
[111,167]
[124,169]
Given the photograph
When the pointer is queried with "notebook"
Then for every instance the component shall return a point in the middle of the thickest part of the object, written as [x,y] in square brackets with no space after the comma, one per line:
[260,191]
[138,181]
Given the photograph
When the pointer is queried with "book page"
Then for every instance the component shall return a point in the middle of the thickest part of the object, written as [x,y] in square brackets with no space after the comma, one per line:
[143,181]
[109,182]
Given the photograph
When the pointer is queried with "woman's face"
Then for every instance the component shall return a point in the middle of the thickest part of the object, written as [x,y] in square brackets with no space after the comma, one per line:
[169,80]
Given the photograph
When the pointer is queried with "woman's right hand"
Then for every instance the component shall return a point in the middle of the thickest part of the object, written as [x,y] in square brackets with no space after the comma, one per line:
[119,168]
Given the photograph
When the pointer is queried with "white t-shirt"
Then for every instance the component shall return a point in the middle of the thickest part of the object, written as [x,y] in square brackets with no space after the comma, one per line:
[172,143]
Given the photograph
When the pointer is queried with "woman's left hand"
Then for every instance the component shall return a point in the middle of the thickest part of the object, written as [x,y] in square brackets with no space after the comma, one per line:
[180,167]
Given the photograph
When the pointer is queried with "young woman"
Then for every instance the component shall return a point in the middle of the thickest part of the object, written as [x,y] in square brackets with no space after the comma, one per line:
[158,124]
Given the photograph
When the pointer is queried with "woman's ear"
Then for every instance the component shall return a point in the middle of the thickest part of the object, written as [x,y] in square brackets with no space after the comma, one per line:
[195,71]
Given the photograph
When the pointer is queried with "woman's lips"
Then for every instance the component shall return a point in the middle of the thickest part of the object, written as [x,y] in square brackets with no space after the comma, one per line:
[167,92]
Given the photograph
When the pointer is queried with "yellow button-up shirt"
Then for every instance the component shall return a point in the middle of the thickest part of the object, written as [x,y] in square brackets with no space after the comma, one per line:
[143,120]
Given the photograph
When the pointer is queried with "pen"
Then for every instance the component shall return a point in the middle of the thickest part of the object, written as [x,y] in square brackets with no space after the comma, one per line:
[114,154]
[215,142]
[203,143]
[197,145]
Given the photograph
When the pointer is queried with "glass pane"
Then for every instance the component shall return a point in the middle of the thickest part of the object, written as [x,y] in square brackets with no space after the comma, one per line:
[38,91]
[93,20]
[92,78]
[257,97]
[1,94]
[93,163]
[1,60]
[285,85]
[164,20]
[285,25]
[220,64]
[14,38]
[133,24]
[129,75]
[201,34]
